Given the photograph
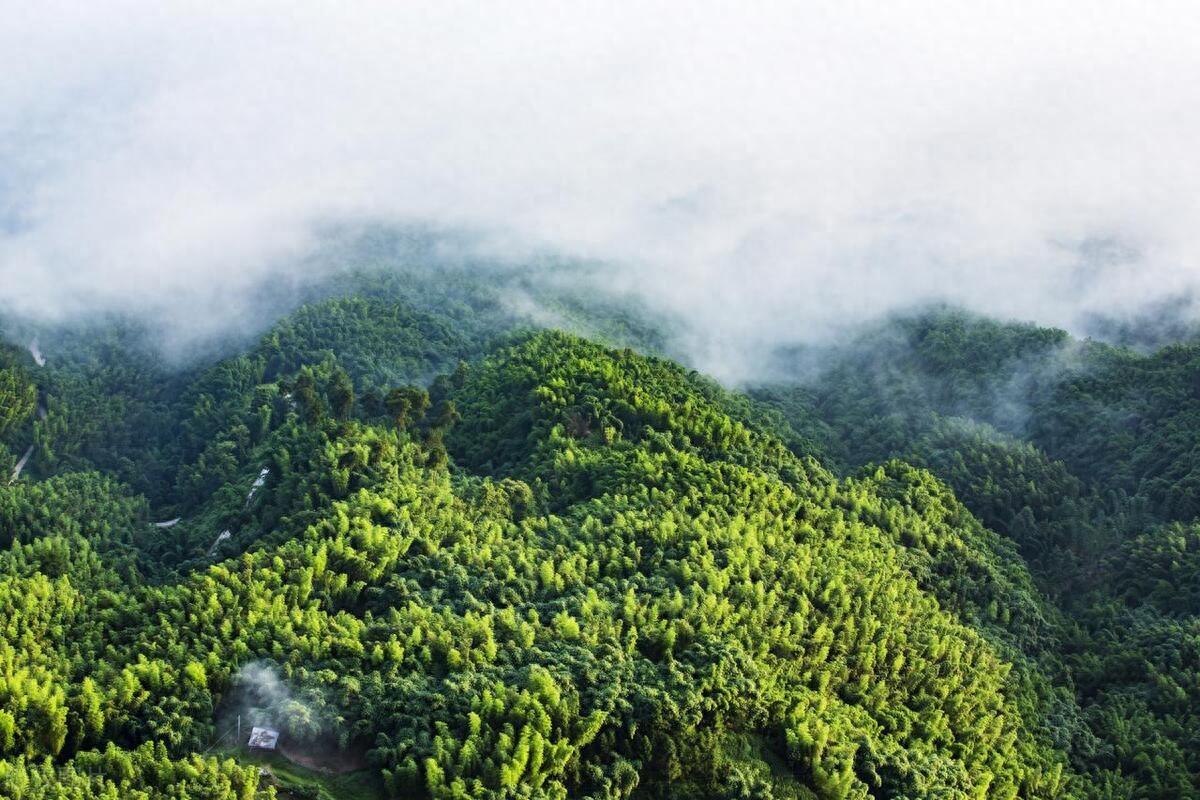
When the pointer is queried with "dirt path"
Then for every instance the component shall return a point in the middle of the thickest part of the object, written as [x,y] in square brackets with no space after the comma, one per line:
[258,484]
[220,538]
[329,760]
[21,465]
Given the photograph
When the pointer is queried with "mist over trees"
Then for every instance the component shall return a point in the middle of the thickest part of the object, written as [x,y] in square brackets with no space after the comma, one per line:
[768,176]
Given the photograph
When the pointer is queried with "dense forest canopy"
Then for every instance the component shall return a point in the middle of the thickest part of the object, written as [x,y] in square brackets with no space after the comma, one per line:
[464,550]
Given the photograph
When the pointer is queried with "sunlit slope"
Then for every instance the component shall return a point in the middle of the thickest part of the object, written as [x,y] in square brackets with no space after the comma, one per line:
[638,577]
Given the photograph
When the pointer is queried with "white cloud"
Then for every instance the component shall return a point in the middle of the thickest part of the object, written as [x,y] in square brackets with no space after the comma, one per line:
[769,169]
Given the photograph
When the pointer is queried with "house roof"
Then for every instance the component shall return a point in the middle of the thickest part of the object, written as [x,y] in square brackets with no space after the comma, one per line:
[264,738]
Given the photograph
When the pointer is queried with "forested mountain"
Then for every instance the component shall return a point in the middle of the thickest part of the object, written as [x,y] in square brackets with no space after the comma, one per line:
[464,538]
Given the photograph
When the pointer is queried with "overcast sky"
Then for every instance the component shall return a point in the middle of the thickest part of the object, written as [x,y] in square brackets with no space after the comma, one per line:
[769,169]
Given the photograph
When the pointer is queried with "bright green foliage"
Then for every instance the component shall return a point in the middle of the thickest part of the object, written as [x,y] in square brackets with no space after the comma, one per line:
[144,773]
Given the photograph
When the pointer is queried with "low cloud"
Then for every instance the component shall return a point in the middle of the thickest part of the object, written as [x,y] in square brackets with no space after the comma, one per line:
[267,701]
[770,172]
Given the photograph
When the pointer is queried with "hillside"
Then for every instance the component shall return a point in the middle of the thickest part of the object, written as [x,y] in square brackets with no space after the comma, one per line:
[489,561]
[1082,454]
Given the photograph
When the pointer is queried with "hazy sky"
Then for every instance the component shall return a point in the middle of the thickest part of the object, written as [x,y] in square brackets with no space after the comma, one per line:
[768,168]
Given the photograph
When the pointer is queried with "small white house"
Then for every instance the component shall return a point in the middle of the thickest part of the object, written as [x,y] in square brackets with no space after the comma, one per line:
[263,739]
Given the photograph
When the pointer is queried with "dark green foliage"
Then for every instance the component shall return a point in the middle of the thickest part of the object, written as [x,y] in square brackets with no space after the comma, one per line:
[1128,422]
[18,397]
[1161,568]
[1098,449]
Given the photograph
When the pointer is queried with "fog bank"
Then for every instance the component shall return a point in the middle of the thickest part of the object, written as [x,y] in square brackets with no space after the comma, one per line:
[766,171]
